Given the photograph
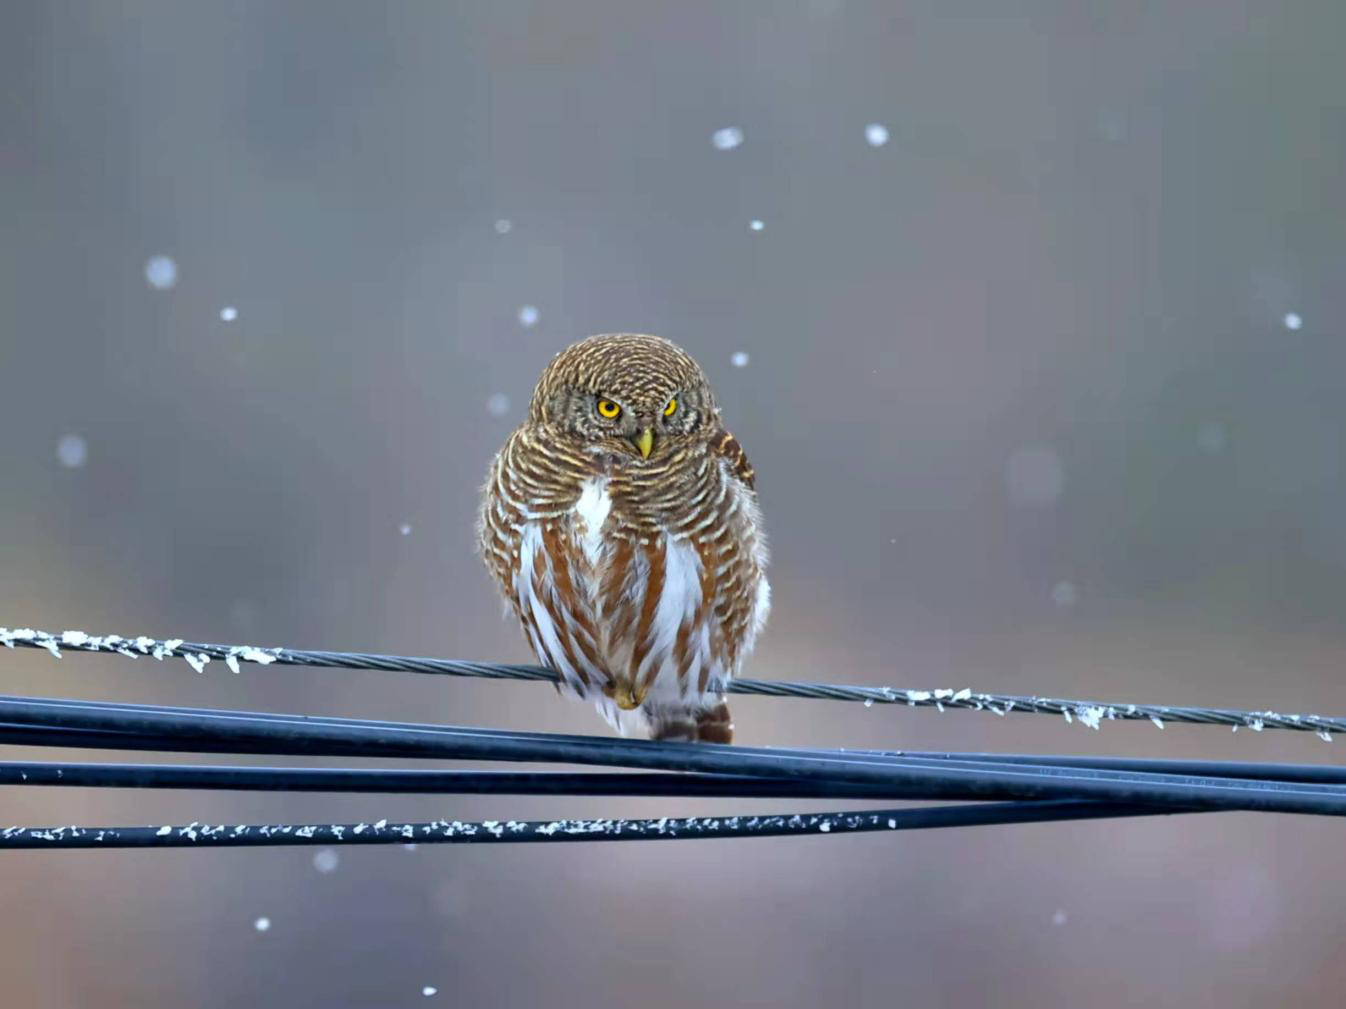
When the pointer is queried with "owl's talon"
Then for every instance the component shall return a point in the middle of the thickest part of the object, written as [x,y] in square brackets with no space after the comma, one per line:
[624,696]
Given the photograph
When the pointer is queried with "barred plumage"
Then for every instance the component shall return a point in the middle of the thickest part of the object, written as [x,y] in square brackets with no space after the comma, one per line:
[621,522]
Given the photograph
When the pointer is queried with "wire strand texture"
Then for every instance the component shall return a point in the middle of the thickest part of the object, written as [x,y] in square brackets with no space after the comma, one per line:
[1088,713]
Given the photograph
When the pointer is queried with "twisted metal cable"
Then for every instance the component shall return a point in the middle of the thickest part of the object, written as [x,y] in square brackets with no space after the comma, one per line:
[1088,713]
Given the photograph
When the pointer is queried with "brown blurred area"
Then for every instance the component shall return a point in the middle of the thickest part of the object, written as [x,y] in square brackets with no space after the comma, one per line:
[1044,396]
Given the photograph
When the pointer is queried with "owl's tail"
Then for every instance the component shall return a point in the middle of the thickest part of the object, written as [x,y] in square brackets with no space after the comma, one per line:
[711,724]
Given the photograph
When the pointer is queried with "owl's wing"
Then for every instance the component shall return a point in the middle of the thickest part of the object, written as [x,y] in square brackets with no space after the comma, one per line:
[726,446]
[497,538]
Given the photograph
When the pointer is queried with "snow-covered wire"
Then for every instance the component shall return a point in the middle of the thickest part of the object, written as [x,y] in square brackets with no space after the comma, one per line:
[1088,713]
[202,835]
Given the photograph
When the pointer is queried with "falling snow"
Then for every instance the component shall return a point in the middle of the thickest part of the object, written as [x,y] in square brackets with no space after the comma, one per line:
[228,314]
[262,924]
[727,139]
[429,991]
[1293,321]
[72,451]
[1059,917]
[756,224]
[876,134]
[504,226]
[529,315]
[326,860]
[1065,594]
[161,272]
[739,359]
[497,404]
[405,529]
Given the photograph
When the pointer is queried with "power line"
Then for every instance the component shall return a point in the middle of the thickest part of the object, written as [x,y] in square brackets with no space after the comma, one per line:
[935,778]
[424,782]
[418,781]
[199,835]
[1088,713]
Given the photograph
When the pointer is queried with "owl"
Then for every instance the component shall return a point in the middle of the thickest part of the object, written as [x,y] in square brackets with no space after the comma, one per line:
[621,522]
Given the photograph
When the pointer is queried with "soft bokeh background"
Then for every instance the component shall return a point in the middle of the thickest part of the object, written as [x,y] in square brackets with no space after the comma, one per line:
[1045,394]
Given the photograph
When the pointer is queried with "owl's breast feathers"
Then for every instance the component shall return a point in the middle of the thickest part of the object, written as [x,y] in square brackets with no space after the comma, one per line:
[641,582]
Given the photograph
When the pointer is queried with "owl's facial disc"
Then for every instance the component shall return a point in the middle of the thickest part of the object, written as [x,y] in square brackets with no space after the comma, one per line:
[634,421]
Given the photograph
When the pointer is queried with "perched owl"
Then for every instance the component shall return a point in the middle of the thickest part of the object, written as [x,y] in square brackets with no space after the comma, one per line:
[622,524]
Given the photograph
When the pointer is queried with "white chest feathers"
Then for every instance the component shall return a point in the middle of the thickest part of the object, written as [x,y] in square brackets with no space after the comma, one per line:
[592,510]
[594,636]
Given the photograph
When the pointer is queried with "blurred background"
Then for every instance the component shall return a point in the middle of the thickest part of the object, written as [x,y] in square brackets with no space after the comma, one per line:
[1030,320]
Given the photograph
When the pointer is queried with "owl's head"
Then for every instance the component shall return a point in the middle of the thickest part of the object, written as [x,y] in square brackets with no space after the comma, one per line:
[624,392]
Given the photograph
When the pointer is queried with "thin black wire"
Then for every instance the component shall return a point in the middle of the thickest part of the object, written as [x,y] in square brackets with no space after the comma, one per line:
[1090,713]
[651,784]
[944,778]
[198,835]
[1326,774]
[426,782]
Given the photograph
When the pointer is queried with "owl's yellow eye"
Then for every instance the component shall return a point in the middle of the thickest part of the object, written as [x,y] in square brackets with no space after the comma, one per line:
[607,408]
[671,409]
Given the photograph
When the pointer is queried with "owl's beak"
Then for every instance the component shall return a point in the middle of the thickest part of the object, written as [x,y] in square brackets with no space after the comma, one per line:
[644,441]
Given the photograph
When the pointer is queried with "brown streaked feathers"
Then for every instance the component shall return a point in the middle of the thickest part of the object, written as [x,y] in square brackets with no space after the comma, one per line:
[629,543]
